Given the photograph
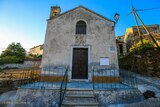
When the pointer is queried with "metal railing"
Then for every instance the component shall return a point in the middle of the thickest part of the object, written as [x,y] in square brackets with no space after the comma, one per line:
[112,79]
[105,78]
[63,87]
[21,75]
[118,84]
[128,77]
[49,77]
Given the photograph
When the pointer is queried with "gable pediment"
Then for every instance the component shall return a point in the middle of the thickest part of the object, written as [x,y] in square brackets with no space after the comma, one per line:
[82,12]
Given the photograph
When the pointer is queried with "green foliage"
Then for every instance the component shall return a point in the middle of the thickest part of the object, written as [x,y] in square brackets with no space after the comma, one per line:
[31,56]
[125,62]
[11,59]
[139,46]
[14,53]
[1,62]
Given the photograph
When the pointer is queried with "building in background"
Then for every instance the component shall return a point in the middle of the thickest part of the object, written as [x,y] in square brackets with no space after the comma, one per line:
[36,50]
[132,33]
[121,46]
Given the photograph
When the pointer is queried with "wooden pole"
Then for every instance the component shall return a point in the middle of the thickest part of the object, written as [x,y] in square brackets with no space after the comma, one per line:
[152,38]
[139,33]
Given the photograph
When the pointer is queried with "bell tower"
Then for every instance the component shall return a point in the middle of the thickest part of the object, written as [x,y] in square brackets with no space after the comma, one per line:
[55,11]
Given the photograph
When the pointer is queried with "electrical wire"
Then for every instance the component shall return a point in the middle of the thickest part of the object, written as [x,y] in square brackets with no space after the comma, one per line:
[156,8]
[123,19]
[139,10]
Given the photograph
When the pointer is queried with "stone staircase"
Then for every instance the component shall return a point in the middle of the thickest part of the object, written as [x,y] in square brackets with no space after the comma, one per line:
[79,98]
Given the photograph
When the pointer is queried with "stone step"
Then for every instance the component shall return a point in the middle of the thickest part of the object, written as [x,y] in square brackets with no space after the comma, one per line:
[77,104]
[80,96]
[79,92]
[79,89]
[80,99]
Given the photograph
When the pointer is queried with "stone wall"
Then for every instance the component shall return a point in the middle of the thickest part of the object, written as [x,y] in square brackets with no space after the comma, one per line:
[106,98]
[38,97]
[8,66]
[148,62]
[6,85]
[152,102]
[50,98]
[151,62]
[26,64]
[60,38]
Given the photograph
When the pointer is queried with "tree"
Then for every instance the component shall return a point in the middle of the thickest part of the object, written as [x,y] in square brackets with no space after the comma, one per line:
[14,53]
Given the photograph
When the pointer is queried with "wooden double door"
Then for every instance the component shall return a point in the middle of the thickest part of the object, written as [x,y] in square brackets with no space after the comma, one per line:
[80,63]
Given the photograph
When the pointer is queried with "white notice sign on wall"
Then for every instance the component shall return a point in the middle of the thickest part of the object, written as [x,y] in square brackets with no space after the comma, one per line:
[104,61]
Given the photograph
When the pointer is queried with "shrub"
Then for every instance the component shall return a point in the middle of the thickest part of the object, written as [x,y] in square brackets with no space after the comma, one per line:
[14,53]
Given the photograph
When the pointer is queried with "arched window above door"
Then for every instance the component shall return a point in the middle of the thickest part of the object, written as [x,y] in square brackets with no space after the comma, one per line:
[81,27]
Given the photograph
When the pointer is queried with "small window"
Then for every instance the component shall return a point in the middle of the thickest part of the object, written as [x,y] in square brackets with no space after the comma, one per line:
[81,27]
[112,28]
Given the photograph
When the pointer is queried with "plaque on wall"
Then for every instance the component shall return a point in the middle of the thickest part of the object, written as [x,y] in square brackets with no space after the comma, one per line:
[104,61]
[112,49]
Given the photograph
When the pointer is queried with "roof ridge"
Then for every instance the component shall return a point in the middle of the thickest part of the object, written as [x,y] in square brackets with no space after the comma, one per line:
[81,6]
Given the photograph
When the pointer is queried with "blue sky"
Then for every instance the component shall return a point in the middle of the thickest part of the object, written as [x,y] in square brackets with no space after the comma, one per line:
[24,21]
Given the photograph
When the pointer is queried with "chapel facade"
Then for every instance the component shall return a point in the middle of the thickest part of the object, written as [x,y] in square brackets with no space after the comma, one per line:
[80,39]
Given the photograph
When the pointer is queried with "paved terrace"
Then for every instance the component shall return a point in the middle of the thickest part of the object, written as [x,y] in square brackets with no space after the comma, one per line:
[81,85]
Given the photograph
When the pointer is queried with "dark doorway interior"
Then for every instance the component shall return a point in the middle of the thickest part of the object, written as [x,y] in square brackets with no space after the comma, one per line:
[121,48]
[80,63]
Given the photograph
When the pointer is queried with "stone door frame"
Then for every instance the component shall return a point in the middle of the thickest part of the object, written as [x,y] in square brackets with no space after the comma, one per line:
[71,59]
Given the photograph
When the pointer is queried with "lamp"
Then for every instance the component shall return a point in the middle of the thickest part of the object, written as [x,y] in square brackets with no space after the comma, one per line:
[116,17]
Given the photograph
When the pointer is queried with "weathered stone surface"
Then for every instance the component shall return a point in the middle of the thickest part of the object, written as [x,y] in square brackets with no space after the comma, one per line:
[38,98]
[15,66]
[152,102]
[106,98]
[149,64]
[6,85]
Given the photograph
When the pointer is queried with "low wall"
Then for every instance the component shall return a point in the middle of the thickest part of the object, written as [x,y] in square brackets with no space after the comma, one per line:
[7,85]
[38,97]
[147,62]
[51,78]
[26,64]
[106,98]
[8,66]
[50,98]
[151,102]
[106,79]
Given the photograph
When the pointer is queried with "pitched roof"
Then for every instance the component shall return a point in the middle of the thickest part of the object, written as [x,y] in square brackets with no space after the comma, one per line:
[85,9]
[152,25]
[36,46]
